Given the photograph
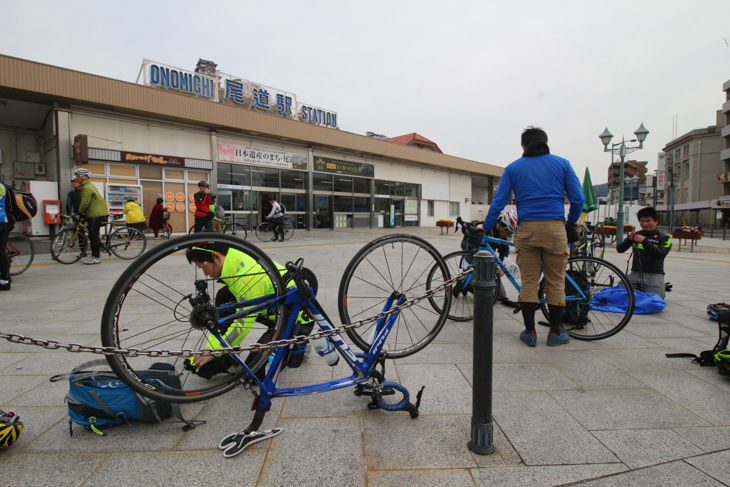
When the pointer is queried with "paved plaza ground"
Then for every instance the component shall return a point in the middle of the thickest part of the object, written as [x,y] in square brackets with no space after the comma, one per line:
[605,413]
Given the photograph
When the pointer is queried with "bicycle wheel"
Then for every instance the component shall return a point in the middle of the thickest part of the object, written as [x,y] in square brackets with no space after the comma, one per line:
[68,246]
[236,229]
[126,243]
[597,317]
[191,229]
[167,231]
[265,232]
[21,252]
[462,299]
[598,246]
[161,302]
[288,231]
[394,266]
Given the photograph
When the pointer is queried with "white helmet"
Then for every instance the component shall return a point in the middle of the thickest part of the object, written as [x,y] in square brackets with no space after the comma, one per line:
[83,172]
[508,220]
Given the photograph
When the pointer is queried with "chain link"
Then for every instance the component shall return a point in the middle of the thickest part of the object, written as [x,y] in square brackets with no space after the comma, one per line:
[258,347]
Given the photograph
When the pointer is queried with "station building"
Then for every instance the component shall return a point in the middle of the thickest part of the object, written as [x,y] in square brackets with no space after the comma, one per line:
[160,136]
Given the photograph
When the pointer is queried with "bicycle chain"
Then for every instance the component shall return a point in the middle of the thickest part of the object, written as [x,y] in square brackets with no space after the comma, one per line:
[258,347]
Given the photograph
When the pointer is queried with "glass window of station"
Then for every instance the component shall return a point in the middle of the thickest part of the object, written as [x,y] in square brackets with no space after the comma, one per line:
[396,203]
[247,188]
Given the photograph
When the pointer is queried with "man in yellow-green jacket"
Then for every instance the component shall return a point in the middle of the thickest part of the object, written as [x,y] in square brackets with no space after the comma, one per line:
[241,277]
[93,208]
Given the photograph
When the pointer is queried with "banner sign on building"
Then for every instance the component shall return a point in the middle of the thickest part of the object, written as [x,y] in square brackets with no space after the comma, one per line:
[152,159]
[263,157]
[81,149]
[232,90]
[325,164]
[661,179]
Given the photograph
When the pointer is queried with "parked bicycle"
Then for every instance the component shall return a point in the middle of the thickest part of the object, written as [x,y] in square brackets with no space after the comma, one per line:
[592,242]
[162,302]
[265,231]
[230,227]
[590,283]
[71,243]
[21,252]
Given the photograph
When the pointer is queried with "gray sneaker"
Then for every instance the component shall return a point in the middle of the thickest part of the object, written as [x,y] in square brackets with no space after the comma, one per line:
[91,260]
[555,340]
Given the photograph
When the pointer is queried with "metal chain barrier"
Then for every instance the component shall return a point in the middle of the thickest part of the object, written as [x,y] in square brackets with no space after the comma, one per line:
[258,347]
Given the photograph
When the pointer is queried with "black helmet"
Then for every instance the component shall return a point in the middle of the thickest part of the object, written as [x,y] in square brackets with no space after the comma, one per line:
[272,197]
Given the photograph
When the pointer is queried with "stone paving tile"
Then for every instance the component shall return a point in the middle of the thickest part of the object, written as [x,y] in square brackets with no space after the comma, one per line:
[543,476]
[36,421]
[528,419]
[675,474]
[625,409]
[316,452]
[716,465]
[707,438]
[46,393]
[50,469]
[179,468]
[689,345]
[710,374]
[427,442]
[700,397]
[523,377]
[504,456]
[420,478]
[589,371]
[626,339]
[642,448]
[634,360]
[441,353]
[447,391]
[15,386]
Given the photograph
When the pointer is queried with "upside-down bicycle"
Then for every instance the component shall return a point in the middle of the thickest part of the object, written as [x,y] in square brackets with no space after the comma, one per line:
[161,301]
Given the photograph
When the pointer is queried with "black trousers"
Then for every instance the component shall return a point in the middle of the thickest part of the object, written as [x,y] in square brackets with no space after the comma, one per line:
[5,229]
[203,222]
[94,226]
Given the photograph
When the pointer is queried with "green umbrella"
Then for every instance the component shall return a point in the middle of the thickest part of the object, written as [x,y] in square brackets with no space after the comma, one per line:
[590,195]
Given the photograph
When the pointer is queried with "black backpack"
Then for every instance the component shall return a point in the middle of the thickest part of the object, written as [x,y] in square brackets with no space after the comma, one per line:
[282,208]
[23,204]
[718,355]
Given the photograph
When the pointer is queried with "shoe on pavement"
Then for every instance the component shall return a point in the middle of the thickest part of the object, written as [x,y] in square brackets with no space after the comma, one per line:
[555,340]
[91,260]
[508,302]
[5,287]
[529,337]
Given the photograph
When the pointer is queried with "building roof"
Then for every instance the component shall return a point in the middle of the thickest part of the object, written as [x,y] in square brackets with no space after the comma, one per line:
[39,83]
[415,140]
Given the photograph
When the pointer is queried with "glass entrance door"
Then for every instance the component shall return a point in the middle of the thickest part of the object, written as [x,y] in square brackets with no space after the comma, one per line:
[323,211]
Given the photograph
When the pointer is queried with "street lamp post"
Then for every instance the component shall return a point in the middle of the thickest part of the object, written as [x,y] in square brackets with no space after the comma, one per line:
[622,149]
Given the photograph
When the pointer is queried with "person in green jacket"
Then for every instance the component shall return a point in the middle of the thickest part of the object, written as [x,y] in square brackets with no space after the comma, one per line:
[241,279]
[93,208]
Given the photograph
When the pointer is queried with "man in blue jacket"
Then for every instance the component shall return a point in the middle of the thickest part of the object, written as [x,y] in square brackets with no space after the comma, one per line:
[6,225]
[540,181]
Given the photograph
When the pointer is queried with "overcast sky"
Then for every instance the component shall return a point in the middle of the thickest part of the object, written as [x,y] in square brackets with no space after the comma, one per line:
[468,75]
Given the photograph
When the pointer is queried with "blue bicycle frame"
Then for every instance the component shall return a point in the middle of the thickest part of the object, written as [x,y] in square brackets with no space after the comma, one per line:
[362,368]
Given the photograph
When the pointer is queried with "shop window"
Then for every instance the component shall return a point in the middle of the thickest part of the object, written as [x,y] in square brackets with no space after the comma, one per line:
[177,174]
[431,206]
[343,185]
[397,189]
[265,177]
[361,204]
[411,190]
[293,180]
[382,187]
[454,208]
[343,204]
[129,171]
[361,185]
[150,172]
[382,205]
[95,168]
[234,174]
[322,182]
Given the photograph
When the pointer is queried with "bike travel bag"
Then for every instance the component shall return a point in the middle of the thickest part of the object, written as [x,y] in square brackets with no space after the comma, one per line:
[97,398]
[23,204]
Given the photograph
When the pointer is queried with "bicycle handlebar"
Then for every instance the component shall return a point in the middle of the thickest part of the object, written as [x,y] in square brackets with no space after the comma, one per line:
[466,227]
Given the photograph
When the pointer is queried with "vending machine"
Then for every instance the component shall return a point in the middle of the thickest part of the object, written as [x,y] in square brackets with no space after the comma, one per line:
[117,194]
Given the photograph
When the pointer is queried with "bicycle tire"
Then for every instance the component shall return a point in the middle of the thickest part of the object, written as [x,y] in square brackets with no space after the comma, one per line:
[288,231]
[600,324]
[236,229]
[394,265]
[148,309]
[265,232]
[462,299]
[21,253]
[191,230]
[126,243]
[68,248]
[598,246]
[167,231]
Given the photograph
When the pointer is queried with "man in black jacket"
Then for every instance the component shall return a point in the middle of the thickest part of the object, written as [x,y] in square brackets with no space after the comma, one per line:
[650,248]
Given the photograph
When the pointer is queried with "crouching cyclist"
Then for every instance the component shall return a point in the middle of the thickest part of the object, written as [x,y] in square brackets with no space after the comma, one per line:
[241,279]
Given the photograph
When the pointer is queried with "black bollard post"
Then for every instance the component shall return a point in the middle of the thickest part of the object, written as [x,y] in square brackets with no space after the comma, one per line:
[482,428]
